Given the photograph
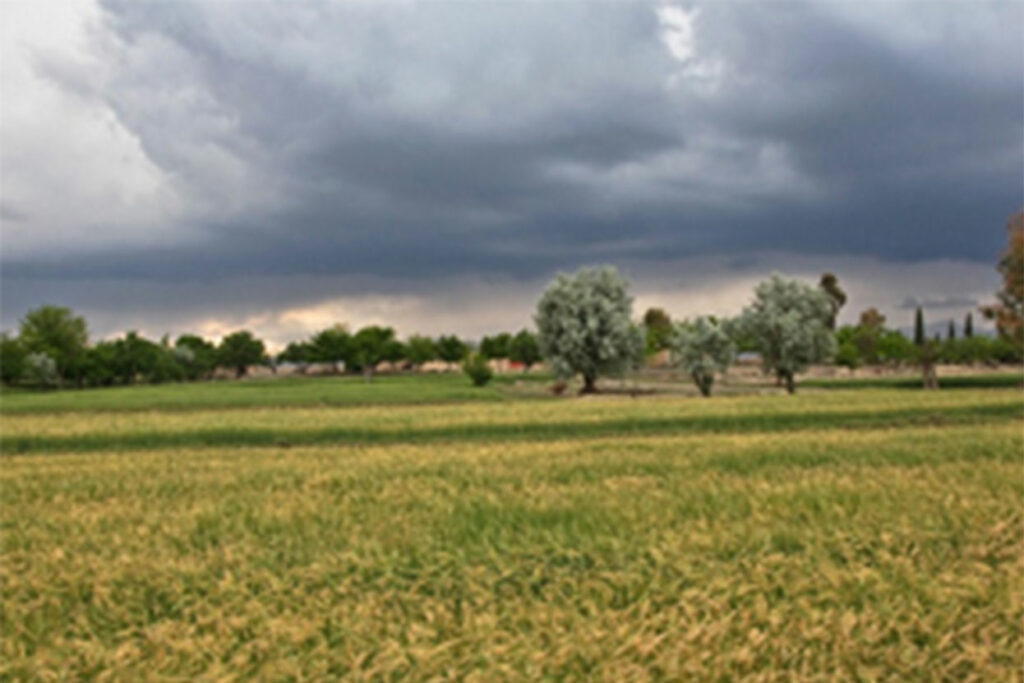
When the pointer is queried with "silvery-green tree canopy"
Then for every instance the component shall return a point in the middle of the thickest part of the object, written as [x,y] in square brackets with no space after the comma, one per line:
[585,325]
[788,321]
[701,348]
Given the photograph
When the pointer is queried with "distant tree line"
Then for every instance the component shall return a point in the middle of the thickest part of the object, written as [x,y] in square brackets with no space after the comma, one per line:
[52,350]
[585,328]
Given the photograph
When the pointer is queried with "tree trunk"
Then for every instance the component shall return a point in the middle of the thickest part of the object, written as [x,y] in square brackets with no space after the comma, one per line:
[928,377]
[703,382]
[790,383]
[240,372]
[589,385]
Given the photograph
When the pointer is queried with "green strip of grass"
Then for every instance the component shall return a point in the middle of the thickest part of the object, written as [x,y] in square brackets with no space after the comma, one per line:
[989,381]
[413,389]
[636,425]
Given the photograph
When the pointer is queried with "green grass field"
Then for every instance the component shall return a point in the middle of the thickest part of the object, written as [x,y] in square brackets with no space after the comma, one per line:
[286,391]
[418,528]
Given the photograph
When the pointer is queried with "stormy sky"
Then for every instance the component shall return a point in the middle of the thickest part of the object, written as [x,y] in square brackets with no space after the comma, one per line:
[285,166]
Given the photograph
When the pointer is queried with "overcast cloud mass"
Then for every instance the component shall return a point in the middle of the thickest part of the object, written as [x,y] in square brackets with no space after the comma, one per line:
[285,166]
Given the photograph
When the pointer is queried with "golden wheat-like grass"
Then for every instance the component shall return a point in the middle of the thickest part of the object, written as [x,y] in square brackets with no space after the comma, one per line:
[873,554]
[594,409]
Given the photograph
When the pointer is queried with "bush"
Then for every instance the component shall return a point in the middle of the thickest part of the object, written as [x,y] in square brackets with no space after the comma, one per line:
[476,368]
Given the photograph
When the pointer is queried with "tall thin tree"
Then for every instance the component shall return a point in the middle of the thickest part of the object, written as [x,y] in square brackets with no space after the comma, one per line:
[919,327]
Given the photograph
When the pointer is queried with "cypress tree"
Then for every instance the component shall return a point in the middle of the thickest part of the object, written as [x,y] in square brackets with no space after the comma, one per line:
[919,327]
[951,331]
[969,326]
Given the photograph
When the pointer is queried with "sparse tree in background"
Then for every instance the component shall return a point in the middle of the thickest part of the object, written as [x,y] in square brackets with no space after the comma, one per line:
[203,356]
[12,359]
[136,358]
[658,325]
[868,333]
[497,346]
[333,345]
[100,365]
[894,348]
[132,356]
[1009,312]
[420,350]
[394,352]
[370,346]
[701,348]
[919,338]
[968,326]
[239,350]
[477,369]
[524,348]
[789,322]
[585,327]
[837,297]
[847,355]
[58,333]
[451,349]
[871,343]
[298,353]
[951,331]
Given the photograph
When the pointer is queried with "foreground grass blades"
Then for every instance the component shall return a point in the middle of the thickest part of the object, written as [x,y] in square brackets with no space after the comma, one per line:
[876,553]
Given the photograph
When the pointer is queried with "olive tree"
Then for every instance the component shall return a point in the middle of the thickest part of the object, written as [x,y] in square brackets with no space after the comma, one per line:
[584,325]
[701,348]
[788,321]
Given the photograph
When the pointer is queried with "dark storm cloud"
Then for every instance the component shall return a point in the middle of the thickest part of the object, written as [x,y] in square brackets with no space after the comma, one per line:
[419,141]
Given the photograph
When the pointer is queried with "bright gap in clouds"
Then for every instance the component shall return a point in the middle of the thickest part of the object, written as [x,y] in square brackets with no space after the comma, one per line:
[677,31]
[74,175]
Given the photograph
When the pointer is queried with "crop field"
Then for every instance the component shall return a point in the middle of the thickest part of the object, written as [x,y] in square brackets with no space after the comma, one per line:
[454,534]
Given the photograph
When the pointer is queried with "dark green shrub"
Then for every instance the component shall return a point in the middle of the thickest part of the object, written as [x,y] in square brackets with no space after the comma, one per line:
[476,368]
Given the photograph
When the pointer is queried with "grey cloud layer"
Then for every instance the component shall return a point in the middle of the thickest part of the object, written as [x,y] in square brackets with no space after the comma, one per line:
[418,141]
